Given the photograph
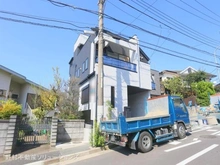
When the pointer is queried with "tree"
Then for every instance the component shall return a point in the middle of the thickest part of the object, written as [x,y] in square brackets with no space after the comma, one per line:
[217,88]
[174,85]
[68,103]
[203,90]
[191,78]
[195,77]
[62,95]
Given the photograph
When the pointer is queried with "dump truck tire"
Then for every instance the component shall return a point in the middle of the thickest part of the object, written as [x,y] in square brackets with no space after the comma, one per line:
[181,131]
[145,142]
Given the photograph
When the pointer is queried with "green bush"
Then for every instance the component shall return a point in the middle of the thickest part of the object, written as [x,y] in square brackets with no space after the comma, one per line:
[97,139]
[8,108]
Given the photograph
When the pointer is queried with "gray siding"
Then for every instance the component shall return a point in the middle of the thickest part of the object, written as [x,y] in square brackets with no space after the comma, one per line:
[80,58]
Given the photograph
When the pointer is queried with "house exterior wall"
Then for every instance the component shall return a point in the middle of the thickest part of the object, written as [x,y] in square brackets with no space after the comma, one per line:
[113,76]
[15,83]
[138,104]
[25,89]
[5,80]
[81,57]
[15,88]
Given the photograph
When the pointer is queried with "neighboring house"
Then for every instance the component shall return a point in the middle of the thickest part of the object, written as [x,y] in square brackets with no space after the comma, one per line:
[15,86]
[168,74]
[126,74]
[155,81]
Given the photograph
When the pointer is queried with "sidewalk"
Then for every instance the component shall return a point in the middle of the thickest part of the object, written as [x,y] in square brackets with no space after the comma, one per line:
[45,152]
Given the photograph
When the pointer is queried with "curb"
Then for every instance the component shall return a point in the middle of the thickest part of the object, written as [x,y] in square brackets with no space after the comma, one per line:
[62,159]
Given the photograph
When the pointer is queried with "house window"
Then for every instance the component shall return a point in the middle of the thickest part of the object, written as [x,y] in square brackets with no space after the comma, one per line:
[14,96]
[113,96]
[83,67]
[75,70]
[153,84]
[86,64]
[2,93]
[85,95]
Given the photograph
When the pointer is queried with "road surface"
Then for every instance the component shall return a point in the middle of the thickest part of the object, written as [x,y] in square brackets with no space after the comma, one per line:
[200,147]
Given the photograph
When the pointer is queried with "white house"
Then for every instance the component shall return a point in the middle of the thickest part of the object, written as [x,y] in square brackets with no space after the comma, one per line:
[126,74]
[15,86]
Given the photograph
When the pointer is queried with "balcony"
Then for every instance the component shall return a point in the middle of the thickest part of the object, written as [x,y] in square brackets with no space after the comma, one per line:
[118,63]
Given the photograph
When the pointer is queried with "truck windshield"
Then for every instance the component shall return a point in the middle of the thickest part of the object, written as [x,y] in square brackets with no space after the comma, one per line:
[178,103]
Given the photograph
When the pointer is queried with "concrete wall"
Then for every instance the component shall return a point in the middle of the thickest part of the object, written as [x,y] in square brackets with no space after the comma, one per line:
[70,130]
[8,136]
[3,135]
[138,104]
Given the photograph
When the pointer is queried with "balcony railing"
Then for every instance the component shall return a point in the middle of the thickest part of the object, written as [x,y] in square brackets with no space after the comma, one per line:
[118,63]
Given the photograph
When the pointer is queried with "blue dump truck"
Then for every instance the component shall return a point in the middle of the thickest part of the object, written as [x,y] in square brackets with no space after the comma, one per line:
[167,117]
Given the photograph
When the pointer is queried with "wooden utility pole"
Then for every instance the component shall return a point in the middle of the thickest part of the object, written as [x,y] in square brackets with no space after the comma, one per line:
[100,108]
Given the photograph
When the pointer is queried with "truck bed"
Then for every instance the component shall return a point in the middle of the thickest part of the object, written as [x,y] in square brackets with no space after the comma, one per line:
[124,125]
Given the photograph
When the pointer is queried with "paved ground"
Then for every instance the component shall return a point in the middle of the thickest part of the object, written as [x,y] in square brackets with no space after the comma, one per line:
[44,152]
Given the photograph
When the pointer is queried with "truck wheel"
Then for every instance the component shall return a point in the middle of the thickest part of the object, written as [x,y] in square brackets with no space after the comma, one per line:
[181,132]
[145,142]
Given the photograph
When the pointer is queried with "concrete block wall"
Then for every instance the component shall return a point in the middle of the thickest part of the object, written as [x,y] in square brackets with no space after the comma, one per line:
[53,133]
[8,136]
[70,130]
[3,135]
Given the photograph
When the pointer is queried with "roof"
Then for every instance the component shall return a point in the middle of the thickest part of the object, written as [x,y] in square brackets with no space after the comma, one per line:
[20,78]
[182,71]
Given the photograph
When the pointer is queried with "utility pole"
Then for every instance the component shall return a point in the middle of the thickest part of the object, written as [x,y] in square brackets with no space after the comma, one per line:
[100,108]
[218,47]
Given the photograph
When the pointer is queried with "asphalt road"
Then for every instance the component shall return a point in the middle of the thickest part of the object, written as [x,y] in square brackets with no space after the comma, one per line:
[202,147]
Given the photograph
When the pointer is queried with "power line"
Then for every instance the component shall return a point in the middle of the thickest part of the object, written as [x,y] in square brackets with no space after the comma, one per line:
[207,9]
[39,24]
[65,28]
[175,22]
[174,55]
[166,24]
[135,18]
[41,18]
[192,58]
[193,14]
[136,27]
[199,11]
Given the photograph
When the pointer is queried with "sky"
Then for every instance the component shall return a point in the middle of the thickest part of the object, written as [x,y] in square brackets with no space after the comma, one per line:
[174,34]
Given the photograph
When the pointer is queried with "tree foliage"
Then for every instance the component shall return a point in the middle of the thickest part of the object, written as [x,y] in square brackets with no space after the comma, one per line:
[68,103]
[174,85]
[195,77]
[63,95]
[39,113]
[203,91]
[191,78]
[8,108]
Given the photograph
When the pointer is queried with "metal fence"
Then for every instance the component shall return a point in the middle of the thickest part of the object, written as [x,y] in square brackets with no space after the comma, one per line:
[33,131]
